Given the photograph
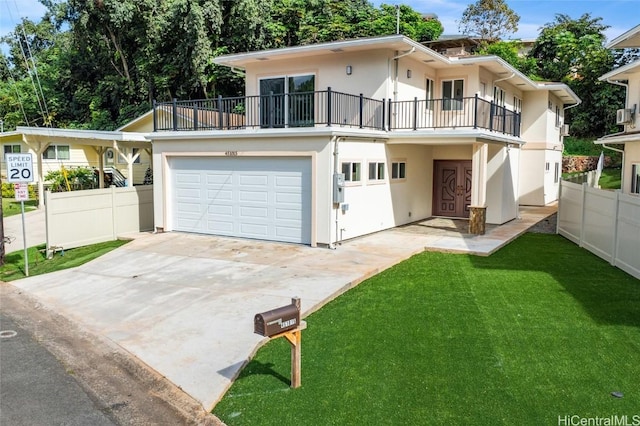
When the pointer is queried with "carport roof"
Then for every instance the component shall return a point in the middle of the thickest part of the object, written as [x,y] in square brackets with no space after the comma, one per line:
[75,136]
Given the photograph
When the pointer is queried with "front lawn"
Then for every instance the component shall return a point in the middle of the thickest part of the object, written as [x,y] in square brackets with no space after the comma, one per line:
[12,207]
[540,330]
[13,268]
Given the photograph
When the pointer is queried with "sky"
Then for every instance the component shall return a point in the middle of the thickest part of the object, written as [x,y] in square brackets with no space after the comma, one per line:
[619,15]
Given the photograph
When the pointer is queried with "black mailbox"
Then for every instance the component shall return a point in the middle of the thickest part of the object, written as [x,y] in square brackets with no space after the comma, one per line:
[278,320]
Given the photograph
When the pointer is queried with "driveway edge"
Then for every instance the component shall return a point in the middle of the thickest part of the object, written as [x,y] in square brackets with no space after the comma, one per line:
[125,389]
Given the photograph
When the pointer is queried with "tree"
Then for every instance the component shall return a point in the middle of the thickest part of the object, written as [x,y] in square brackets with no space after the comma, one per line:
[489,20]
[572,51]
[510,52]
[412,23]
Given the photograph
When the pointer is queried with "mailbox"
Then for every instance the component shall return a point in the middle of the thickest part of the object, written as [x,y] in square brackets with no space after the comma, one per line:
[278,320]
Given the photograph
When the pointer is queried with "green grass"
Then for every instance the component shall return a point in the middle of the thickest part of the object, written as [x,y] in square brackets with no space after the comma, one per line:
[538,330]
[11,207]
[611,179]
[13,268]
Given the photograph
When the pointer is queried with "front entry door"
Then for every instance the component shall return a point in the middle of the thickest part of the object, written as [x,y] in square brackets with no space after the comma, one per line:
[452,188]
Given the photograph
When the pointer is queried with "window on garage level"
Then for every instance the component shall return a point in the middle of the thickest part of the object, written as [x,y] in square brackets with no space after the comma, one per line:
[376,171]
[56,152]
[398,170]
[351,171]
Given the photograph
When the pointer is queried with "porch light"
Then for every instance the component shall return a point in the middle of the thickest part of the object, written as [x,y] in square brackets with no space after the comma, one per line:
[408,73]
[349,69]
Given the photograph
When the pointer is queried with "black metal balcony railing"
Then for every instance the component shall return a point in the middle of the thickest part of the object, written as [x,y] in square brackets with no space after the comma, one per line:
[330,108]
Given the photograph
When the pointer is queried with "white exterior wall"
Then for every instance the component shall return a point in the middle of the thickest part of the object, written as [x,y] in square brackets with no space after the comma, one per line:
[531,192]
[631,156]
[318,149]
[376,205]
[502,184]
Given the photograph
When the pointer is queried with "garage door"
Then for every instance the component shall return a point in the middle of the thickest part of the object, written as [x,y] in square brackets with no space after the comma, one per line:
[263,198]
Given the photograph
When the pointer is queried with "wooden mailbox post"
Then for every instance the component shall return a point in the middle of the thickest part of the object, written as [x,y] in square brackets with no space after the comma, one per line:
[285,322]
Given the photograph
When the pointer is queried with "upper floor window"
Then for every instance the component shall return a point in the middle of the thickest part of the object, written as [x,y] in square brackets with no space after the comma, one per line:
[498,96]
[287,101]
[351,171]
[56,152]
[452,94]
[517,104]
[429,95]
[12,149]
[558,118]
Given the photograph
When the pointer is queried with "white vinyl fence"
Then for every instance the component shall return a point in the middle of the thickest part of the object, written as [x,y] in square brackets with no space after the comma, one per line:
[607,223]
[80,218]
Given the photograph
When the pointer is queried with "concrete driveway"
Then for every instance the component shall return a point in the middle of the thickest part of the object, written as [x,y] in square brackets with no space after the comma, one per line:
[184,303]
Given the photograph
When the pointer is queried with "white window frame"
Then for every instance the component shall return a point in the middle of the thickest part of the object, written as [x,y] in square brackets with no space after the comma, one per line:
[430,87]
[558,119]
[453,102]
[547,167]
[398,170]
[499,96]
[286,93]
[353,171]
[517,104]
[379,172]
[556,173]
[56,151]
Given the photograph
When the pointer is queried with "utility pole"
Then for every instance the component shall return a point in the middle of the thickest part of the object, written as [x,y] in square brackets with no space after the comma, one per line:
[397,19]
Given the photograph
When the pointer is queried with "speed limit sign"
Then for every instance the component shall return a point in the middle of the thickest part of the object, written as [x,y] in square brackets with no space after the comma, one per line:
[19,167]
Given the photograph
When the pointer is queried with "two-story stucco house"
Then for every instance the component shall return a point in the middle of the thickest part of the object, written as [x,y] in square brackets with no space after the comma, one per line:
[629,114]
[337,140]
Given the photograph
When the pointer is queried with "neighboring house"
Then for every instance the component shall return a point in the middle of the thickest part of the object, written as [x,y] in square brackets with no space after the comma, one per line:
[118,154]
[455,45]
[336,140]
[628,116]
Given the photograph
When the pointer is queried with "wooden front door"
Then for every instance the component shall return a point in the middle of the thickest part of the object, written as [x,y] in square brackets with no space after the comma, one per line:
[452,188]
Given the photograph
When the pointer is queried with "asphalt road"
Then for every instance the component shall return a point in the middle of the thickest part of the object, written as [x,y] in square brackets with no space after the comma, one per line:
[35,388]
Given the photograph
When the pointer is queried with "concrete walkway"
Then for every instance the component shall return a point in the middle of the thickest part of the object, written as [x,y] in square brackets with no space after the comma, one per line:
[35,230]
[184,303]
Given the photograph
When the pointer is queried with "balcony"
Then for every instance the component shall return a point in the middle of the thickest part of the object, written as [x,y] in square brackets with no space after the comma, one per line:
[330,108]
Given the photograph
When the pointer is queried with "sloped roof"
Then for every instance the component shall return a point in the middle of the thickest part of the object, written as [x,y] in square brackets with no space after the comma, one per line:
[629,39]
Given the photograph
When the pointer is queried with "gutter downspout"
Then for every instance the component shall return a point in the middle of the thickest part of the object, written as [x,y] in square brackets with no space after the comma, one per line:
[335,140]
[395,80]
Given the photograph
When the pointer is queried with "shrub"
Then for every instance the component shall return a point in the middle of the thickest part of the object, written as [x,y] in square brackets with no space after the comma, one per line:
[71,179]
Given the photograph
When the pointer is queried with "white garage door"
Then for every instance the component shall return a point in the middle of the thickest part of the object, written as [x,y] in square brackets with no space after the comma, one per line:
[263,198]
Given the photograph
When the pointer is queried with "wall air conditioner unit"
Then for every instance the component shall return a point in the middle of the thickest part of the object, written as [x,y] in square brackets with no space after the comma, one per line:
[564,130]
[624,116]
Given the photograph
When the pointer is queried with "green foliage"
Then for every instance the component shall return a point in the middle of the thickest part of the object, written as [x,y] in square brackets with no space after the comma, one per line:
[539,328]
[611,179]
[508,50]
[572,51]
[412,24]
[10,207]
[71,179]
[489,20]
[8,191]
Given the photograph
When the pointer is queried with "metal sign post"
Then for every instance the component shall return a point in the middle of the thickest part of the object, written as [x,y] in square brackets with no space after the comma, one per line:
[20,172]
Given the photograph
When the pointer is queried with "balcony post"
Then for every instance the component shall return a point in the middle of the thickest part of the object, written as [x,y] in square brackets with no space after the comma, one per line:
[272,106]
[175,114]
[361,108]
[220,113]
[504,120]
[384,114]
[491,112]
[389,115]
[415,113]
[195,115]
[475,112]
[329,107]
[155,116]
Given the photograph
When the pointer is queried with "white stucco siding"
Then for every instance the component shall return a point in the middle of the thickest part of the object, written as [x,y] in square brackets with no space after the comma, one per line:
[502,184]
[371,206]
[370,72]
[532,175]
[317,150]
[534,116]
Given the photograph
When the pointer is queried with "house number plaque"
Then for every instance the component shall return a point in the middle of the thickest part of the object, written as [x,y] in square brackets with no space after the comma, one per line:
[231,153]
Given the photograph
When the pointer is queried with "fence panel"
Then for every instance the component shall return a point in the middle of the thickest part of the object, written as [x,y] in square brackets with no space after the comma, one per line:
[607,223]
[80,218]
